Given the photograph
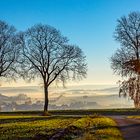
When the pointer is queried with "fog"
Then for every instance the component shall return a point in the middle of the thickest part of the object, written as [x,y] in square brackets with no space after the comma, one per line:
[73,97]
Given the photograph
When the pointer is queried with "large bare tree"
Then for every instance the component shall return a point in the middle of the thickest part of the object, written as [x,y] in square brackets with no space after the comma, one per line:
[9,51]
[126,60]
[48,55]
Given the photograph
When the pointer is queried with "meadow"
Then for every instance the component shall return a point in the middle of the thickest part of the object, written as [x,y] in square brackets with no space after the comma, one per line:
[123,111]
[31,125]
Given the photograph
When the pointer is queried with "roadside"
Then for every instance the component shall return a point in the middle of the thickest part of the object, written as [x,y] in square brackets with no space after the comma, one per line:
[130,128]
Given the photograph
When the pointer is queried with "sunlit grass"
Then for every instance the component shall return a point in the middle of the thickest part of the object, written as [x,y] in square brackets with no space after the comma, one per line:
[107,129]
[104,128]
[32,127]
[88,127]
[109,134]
[133,117]
[87,136]
[20,117]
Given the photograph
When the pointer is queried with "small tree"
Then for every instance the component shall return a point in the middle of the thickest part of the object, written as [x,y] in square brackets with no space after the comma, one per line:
[8,50]
[47,54]
[126,60]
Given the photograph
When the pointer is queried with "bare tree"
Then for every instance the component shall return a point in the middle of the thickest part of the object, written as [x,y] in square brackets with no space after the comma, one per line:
[8,50]
[126,60]
[48,55]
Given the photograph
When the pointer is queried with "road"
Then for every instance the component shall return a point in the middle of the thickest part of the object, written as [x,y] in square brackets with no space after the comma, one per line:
[130,128]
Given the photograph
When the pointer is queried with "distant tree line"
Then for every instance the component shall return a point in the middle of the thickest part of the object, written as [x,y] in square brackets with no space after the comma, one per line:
[40,52]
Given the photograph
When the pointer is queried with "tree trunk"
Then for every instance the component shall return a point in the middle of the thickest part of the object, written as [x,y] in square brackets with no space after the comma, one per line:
[46,98]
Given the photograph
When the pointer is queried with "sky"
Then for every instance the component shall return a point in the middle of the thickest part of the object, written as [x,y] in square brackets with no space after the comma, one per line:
[90,24]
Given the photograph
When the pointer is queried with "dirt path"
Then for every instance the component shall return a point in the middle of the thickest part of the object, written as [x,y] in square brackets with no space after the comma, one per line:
[130,128]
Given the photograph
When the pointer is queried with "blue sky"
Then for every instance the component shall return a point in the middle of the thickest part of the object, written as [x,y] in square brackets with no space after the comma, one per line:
[87,23]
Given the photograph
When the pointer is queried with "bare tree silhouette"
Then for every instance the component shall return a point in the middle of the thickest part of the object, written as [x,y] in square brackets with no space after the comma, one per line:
[9,51]
[47,54]
[126,60]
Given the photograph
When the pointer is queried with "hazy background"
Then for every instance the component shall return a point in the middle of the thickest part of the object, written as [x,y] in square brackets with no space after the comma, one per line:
[73,97]
[87,23]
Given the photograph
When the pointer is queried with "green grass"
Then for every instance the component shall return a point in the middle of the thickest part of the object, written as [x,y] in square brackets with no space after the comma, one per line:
[124,111]
[104,128]
[2,117]
[41,127]
[13,129]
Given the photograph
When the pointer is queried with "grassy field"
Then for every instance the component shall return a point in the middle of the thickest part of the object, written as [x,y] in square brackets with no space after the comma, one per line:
[125,111]
[91,127]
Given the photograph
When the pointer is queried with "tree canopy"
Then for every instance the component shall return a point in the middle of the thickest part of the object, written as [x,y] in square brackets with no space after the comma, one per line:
[48,55]
[9,50]
[126,60]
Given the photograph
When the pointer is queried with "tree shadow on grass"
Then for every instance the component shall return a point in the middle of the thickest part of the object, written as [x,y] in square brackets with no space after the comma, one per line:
[73,132]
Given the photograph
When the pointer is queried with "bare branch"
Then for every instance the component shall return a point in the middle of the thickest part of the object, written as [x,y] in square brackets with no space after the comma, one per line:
[9,51]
